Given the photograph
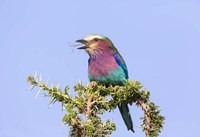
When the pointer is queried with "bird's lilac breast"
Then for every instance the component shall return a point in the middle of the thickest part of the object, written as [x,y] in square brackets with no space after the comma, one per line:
[105,69]
[102,67]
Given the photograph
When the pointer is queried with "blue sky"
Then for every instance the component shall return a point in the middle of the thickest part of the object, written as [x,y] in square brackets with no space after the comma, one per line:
[160,41]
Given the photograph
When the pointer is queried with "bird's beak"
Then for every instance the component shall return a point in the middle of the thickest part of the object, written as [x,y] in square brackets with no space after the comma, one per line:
[82,41]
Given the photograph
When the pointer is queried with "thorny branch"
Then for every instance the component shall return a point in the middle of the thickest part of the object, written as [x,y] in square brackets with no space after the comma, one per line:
[83,111]
[147,118]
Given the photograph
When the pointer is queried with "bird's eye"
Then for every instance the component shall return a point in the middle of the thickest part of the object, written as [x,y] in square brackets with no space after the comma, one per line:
[96,39]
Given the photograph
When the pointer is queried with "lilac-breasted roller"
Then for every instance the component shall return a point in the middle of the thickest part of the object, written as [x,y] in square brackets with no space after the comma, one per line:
[106,66]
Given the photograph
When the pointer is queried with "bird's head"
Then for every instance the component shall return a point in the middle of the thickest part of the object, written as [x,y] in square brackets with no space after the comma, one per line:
[96,44]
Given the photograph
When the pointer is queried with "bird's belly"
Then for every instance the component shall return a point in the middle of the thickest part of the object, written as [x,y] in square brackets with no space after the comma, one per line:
[115,77]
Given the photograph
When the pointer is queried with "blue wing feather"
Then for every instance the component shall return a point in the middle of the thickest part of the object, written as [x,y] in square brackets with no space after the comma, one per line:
[89,62]
[121,63]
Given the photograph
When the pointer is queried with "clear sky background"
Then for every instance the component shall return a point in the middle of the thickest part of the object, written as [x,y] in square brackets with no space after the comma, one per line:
[159,40]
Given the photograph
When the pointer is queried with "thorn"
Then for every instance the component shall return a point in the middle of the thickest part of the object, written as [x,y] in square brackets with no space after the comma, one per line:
[57,86]
[80,82]
[35,76]
[40,77]
[63,108]
[36,79]
[31,87]
[51,99]
[51,102]
[47,82]
[38,93]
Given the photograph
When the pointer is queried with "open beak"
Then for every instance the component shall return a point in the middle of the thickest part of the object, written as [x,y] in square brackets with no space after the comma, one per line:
[82,41]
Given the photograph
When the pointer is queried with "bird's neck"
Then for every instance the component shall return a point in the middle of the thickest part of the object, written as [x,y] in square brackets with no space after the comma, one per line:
[101,57]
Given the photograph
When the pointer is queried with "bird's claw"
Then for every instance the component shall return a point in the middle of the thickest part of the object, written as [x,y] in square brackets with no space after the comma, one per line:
[92,84]
[115,88]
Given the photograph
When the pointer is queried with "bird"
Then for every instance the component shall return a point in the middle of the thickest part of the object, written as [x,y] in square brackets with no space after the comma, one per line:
[107,66]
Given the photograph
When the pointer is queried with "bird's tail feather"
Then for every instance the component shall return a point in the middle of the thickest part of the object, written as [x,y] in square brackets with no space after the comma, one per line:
[124,110]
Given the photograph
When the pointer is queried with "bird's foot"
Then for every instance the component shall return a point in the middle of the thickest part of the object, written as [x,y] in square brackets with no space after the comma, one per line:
[116,88]
[92,84]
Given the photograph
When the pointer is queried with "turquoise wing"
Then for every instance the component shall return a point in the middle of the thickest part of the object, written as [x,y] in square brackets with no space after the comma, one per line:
[120,61]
